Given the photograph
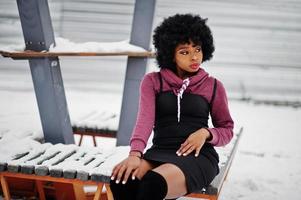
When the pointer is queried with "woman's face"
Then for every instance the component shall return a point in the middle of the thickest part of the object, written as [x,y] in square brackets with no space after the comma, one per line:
[188,58]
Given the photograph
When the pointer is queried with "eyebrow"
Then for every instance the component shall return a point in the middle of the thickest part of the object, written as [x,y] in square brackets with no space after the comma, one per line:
[186,46]
[183,47]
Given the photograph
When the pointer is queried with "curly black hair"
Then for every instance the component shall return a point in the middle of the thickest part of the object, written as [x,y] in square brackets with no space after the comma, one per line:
[181,29]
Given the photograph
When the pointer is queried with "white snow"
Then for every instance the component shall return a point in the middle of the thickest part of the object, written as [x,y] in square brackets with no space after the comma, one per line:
[12,144]
[268,163]
[266,166]
[66,45]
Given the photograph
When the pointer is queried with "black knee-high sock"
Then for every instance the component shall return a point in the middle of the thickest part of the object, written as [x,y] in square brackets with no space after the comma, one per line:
[153,186]
[126,191]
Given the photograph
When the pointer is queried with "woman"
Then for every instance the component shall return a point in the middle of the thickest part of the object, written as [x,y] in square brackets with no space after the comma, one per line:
[175,103]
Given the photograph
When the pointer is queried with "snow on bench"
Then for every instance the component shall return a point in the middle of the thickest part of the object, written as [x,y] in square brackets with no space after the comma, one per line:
[95,123]
[65,47]
[90,163]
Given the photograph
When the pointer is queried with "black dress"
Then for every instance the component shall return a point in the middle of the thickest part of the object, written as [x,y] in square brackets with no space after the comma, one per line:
[169,134]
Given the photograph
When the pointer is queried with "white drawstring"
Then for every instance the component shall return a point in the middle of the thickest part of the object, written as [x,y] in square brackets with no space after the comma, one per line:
[180,94]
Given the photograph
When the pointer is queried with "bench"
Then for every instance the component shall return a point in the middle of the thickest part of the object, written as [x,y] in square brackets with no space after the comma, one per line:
[76,167]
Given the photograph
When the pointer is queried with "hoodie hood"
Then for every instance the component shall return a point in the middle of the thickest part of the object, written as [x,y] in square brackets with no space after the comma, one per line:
[176,82]
[179,86]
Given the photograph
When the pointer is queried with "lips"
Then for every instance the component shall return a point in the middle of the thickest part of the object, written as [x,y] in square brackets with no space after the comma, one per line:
[195,66]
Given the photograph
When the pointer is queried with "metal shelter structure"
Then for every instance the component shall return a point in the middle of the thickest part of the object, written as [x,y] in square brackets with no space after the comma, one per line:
[46,73]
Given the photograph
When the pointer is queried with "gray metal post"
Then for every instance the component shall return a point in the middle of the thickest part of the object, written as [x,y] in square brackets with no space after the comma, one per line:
[136,68]
[46,72]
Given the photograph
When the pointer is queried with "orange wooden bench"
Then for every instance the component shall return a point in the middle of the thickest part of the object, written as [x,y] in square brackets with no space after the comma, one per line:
[70,182]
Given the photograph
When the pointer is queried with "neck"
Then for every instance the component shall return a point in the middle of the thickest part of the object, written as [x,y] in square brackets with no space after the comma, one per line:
[184,74]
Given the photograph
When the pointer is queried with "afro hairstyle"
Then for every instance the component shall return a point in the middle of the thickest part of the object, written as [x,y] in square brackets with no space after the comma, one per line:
[181,29]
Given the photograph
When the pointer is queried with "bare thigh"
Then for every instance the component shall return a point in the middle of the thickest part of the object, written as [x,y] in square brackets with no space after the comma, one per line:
[144,167]
[175,179]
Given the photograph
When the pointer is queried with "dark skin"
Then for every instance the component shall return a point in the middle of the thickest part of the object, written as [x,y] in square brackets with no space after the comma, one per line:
[188,58]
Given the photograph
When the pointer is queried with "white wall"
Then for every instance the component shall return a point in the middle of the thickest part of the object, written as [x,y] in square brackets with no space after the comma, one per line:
[257,41]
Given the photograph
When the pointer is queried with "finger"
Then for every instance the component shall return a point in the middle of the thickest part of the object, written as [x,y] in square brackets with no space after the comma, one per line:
[120,173]
[186,148]
[134,174]
[188,151]
[197,151]
[115,171]
[183,145]
[181,150]
[126,175]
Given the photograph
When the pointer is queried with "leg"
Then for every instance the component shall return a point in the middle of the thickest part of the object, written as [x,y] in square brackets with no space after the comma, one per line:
[94,140]
[175,178]
[109,192]
[165,181]
[97,195]
[40,188]
[128,191]
[79,191]
[5,188]
[80,139]
[145,167]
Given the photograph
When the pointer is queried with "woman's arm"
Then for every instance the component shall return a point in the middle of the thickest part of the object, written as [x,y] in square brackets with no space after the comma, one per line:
[223,124]
[142,130]
[145,116]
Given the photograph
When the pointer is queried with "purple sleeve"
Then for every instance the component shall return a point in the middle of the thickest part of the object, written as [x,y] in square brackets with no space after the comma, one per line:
[223,124]
[146,115]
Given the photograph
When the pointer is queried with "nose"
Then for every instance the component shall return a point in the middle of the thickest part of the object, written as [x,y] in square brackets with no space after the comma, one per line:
[194,56]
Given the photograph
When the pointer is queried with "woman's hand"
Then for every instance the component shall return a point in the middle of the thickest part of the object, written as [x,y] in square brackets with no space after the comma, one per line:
[126,167]
[194,142]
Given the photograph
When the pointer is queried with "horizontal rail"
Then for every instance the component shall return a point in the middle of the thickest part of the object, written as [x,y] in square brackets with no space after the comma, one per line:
[34,54]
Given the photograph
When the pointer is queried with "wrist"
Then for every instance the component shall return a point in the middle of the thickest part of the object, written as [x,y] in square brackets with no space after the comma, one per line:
[136,154]
[206,134]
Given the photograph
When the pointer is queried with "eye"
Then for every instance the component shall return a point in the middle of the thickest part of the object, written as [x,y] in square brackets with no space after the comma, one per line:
[184,52]
[198,49]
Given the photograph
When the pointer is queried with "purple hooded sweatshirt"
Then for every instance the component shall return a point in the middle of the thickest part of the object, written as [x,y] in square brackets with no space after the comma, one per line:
[201,84]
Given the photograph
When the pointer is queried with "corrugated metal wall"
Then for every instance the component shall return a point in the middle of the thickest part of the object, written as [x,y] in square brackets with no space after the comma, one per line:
[257,41]
[10,26]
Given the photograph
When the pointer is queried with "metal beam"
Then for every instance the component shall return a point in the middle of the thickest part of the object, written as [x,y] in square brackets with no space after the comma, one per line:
[46,73]
[136,68]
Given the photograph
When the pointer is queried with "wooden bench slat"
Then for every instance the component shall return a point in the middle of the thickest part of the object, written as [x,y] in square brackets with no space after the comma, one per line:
[93,165]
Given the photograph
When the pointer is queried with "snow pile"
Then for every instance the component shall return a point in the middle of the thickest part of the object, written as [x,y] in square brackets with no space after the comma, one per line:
[66,45]
[13,47]
[13,145]
[106,168]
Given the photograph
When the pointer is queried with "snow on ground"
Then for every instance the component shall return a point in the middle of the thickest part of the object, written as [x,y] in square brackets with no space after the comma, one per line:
[268,161]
